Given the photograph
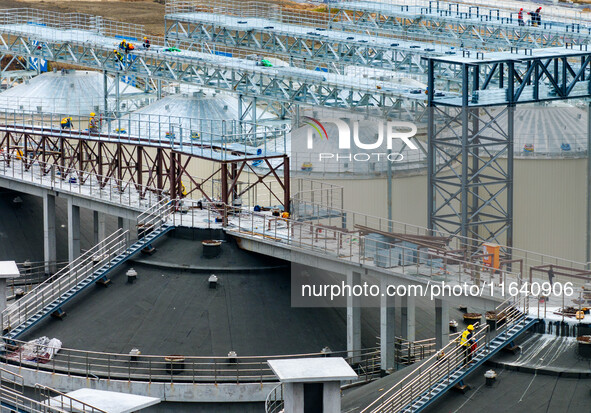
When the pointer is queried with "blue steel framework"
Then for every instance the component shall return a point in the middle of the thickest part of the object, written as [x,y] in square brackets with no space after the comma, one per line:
[470,186]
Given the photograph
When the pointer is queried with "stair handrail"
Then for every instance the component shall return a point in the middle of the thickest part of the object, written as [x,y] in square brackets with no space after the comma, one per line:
[46,292]
[13,379]
[155,216]
[86,264]
[274,402]
[440,365]
[142,217]
[444,363]
[66,402]
[22,403]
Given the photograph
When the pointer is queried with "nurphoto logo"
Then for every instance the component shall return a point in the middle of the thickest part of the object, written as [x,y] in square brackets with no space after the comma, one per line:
[348,139]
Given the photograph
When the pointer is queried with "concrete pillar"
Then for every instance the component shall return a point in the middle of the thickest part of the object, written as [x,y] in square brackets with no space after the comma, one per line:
[407,317]
[100,228]
[387,327]
[331,397]
[2,294]
[441,323]
[49,237]
[125,225]
[73,230]
[353,318]
[294,397]
[95,226]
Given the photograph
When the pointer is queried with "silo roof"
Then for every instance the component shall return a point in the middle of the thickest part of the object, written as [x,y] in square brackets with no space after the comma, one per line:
[186,114]
[66,92]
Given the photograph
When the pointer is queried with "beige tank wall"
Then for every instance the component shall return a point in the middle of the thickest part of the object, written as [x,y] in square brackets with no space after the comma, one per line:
[549,204]
[370,196]
[550,207]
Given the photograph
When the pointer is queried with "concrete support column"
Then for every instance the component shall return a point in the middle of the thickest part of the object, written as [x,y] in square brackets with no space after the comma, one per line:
[73,231]
[441,323]
[407,317]
[125,225]
[49,237]
[331,397]
[2,294]
[294,397]
[100,228]
[387,327]
[353,318]
[95,226]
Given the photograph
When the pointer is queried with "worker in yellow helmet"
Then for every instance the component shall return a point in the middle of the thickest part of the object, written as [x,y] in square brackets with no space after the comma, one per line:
[66,123]
[93,123]
[146,43]
[466,341]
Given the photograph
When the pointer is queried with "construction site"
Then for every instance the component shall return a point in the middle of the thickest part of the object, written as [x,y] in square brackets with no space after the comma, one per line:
[315,207]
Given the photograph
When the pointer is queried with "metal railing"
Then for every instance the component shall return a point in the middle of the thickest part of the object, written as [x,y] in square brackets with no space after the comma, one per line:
[274,402]
[18,167]
[95,365]
[187,134]
[409,352]
[64,280]
[76,106]
[11,381]
[12,387]
[348,220]
[22,404]
[349,246]
[155,216]
[31,274]
[57,399]
[72,21]
[318,192]
[440,367]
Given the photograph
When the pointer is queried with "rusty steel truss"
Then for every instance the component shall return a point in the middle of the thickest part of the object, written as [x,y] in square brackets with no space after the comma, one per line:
[149,167]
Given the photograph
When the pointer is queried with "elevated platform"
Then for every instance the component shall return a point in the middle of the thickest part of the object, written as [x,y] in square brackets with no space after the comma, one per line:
[475,26]
[328,48]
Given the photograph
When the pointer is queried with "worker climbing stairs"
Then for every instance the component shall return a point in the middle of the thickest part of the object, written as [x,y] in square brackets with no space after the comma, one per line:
[450,366]
[92,267]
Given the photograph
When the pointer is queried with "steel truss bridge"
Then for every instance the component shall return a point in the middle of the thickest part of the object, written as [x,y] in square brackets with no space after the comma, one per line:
[316,48]
[37,34]
[438,23]
[149,165]
[471,26]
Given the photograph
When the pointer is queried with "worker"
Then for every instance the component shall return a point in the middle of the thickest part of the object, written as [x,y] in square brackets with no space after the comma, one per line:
[93,123]
[146,43]
[66,123]
[126,46]
[119,59]
[466,341]
[520,17]
[533,18]
[539,16]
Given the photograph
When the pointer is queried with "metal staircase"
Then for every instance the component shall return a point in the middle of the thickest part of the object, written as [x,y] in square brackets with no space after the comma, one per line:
[449,366]
[94,265]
